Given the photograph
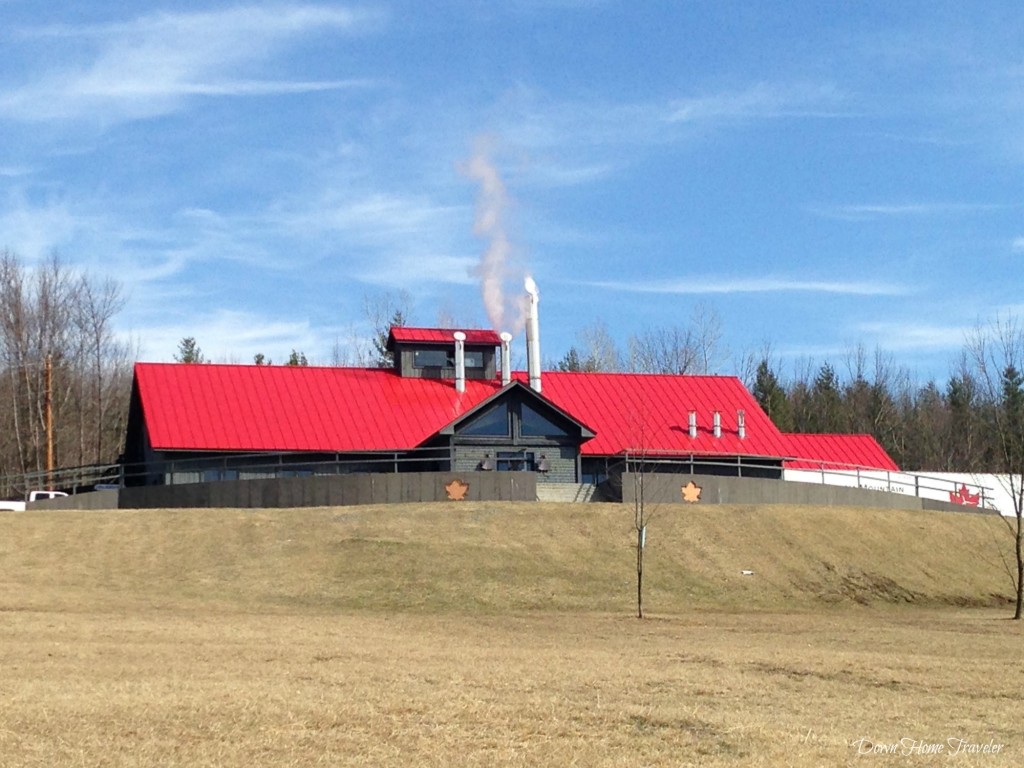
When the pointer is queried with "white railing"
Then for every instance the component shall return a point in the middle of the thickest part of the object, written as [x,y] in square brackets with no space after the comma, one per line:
[968,490]
[981,491]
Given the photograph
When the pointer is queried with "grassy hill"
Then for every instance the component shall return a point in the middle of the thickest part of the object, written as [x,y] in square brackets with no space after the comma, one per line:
[501,557]
[502,634]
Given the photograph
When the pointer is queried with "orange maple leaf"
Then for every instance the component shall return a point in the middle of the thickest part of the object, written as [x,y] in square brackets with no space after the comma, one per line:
[456,490]
[691,492]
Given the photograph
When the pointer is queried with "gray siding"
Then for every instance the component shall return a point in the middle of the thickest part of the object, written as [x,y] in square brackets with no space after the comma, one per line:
[561,459]
[563,465]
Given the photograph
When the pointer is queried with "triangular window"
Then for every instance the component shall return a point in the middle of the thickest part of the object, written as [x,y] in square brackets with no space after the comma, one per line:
[493,423]
[534,424]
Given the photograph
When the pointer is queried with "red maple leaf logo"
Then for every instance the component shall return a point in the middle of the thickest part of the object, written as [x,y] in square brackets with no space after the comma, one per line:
[965,497]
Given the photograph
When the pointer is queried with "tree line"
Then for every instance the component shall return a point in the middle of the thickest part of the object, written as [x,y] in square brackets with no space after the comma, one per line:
[65,378]
[57,319]
[954,427]
[930,426]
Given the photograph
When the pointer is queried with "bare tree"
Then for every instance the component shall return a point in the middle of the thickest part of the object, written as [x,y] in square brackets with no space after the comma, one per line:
[104,363]
[599,350]
[641,517]
[695,349]
[64,376]
[35,323]
[383,311]
[637,464]
[998,355]
[707,336]
[664,350]
[356,349]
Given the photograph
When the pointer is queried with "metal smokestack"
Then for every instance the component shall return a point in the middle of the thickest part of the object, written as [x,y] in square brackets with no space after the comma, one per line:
[460,361]
[532,334]
[506,357]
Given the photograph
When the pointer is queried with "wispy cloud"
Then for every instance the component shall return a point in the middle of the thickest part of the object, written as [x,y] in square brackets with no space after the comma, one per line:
[233,336]
[897,336]
[378,218]
[573,130]
[709,286]
[407,241]
[148,66]
[34,231]
[1018,244]
[416,270]
[867,211]
[760,101]
[561,141]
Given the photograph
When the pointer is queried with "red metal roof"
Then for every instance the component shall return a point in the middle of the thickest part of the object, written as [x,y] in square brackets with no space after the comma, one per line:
[243,408]
[406,334]
[295,408]
[835,451]
[650,412]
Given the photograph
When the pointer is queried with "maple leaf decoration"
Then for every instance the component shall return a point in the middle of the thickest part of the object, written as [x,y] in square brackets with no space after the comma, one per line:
[965,497]
[456,490]
[691,492]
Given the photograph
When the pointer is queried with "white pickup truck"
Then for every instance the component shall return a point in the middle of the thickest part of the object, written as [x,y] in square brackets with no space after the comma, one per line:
[19,506]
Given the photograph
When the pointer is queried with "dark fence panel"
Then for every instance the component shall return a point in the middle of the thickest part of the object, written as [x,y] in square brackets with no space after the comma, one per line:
[327,491]
[715,489]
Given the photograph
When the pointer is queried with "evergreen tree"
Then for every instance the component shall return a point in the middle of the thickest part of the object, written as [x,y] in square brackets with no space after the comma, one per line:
[384,357]
[1012,408]
[772,397]
[826,411]
[571,363]
[962,401]
[189,351]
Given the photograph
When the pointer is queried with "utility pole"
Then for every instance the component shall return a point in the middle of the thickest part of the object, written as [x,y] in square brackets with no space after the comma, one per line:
[49,421]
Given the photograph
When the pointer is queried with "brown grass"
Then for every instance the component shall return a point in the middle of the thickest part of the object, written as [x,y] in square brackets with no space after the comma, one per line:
[502,635]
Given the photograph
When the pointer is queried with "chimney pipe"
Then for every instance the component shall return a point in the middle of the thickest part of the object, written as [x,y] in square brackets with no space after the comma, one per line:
[741,424]
[693,424]
[460,361]
[532,334]
[718,424]
[506,358]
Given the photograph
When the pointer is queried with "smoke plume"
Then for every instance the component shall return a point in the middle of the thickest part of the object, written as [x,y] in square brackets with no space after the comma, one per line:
[497,269]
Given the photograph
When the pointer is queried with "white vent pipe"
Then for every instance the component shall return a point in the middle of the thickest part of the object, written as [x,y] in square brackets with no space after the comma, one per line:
[693,424]
[460,361]
[718,424]
[532,334]
[741,424]
[506,357]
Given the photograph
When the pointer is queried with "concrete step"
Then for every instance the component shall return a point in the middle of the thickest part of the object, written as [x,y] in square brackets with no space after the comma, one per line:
[567,493]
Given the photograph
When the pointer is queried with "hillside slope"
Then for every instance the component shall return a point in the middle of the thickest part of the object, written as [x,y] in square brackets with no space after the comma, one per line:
[499,557]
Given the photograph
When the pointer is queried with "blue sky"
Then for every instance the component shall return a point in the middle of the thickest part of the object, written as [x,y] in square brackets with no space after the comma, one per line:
[818,175]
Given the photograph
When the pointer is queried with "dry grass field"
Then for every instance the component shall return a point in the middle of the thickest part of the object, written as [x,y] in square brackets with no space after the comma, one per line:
[503,634]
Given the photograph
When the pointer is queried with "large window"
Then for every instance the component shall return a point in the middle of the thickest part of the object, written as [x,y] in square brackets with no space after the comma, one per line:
[445,358]
[493,423]
[434,358]
[520,419]
[533,424]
